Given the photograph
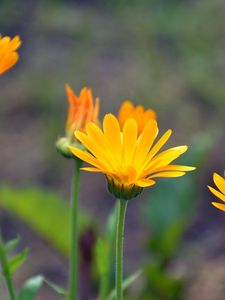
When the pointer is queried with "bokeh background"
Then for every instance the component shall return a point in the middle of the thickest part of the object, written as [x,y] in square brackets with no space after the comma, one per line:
[167,55]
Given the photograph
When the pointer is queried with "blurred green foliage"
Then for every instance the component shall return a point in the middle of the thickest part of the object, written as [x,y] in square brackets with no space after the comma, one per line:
[169,213]
[44,211]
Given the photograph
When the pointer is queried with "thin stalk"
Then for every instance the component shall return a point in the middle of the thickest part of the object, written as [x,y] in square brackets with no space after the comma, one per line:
[6,271]
[105,280]
[73,276]
[119,248]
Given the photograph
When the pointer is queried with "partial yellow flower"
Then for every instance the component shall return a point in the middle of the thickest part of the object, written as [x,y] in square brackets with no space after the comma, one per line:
[81,110]
[8,54]
[220,193]
[130,162]
[141,116]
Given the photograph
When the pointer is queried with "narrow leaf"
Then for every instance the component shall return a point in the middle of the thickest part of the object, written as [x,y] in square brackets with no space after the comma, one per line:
[56,288]
[30,288]
[16,261]
[11,244]
[126,283]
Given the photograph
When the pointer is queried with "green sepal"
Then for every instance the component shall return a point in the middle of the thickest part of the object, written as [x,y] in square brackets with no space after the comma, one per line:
[121,191]
[62,146]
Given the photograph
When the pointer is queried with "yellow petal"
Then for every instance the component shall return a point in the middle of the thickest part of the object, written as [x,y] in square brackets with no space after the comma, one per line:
[94,148]
[219,182]
[175,168]
[167,174]
[125,112]
[144,182]
[96,135]
[219,205]
[145,141]
[113,136]
[92,170]
[129,141]
[217,193]
[155,149]
[87,157]
[165,158]
[161,142]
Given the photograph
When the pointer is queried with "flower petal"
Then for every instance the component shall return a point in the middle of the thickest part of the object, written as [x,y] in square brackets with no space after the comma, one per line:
[144,143]
[87,157]
[217,193]
[112,134]
[129,141]
[219,182]
[219,205]
[145,182]
[167,174]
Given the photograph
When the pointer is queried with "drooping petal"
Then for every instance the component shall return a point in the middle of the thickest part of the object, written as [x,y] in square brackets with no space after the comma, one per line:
[87,157]
[145,182]
[97,150]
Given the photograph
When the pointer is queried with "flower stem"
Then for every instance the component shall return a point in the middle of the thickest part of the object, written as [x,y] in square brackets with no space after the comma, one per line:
[119,248]
[73,280]
[6,271]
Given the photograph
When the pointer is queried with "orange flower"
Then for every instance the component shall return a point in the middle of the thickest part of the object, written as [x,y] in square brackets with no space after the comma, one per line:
[220,193]
[8,54]
[130,162]
[141,116]
[81,110]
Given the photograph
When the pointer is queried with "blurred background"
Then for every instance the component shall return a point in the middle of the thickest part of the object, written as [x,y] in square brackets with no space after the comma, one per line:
[167,55]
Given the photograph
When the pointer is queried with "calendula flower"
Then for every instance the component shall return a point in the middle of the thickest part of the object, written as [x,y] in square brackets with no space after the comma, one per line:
[8,54]
[220,193]
[129,111]
[130,161]
[81,110]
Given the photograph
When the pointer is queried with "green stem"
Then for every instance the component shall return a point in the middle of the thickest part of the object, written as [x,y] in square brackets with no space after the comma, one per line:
[119,248]
[73,279]
[6,271]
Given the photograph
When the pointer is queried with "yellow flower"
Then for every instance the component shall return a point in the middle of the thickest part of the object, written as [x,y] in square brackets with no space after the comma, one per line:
[8,54]
[220,184]
[81,110]
[130,162]
[141,116]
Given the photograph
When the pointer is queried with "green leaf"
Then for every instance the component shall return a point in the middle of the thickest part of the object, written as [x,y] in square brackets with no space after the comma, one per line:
[56,288]
[16,261]
[102,250]
[11,244]
[160,285]
[44,211]
[126,283]
[30,288]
